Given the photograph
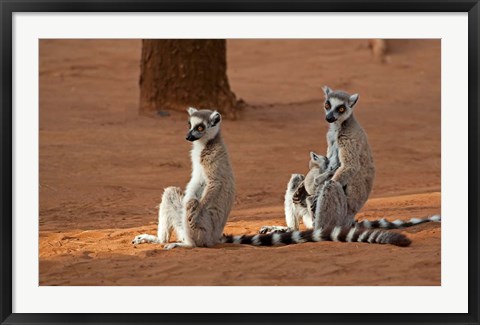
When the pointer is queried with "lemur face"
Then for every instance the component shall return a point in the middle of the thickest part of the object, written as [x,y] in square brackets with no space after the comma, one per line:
[202,124]
[315,161]
[338,105]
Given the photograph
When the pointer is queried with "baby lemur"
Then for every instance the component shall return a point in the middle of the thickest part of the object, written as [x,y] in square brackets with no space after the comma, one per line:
[336,188]
[199,215]
[317,175]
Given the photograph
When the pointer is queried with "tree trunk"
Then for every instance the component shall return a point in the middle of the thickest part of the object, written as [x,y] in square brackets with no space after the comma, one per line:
[177,74]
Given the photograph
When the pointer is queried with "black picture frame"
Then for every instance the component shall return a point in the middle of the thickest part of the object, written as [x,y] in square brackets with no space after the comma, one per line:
[8,7]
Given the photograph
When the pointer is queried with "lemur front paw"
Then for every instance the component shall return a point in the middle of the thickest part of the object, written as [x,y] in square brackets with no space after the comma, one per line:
[334,183]
[192,205]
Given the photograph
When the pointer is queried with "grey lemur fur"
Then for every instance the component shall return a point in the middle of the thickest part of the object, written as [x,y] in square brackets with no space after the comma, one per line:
[335,189]
[199,214]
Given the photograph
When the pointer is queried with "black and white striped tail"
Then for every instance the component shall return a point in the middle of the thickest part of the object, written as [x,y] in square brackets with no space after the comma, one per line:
[340,234]
[397,224]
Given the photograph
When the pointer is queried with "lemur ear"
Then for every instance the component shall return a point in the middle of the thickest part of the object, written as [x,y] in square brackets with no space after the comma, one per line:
[314,156]
[215,118]
[191,110]
[353,100]
[326,90]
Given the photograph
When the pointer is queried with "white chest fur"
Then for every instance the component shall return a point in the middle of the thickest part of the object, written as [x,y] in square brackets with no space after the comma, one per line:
[196,186]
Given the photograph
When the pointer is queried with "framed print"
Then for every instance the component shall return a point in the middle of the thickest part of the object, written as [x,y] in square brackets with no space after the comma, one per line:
[239,162]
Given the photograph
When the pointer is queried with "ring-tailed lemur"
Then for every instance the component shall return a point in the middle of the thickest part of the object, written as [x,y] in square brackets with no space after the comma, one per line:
[199,215]
[337,198]
[319,173]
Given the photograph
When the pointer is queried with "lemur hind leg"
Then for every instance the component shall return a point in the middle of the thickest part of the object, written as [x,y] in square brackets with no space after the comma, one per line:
[169,218]
[170,214]
[200,227]
[197,227]
[331,206]
[293,211]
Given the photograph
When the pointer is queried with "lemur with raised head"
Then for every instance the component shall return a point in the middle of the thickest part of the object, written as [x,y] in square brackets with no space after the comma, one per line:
[340,184]
[199,214]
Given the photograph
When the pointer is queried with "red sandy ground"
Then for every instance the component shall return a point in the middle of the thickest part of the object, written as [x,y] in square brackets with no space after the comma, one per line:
[103,167]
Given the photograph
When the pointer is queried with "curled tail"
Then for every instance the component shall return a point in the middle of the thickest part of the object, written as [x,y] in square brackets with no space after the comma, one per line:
[397,224]
[339,234]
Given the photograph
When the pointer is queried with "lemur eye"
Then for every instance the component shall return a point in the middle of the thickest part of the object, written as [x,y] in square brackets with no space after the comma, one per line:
[341,109]
[327,105]
[200,128]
